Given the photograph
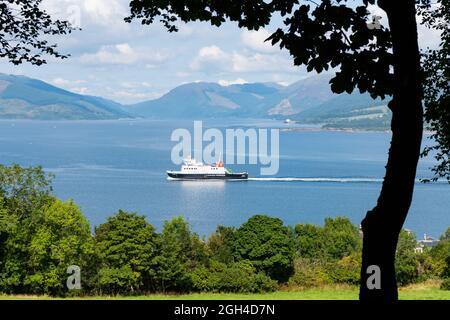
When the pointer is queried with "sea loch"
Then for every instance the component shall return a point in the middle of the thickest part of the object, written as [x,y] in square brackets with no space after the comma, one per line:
[109,165]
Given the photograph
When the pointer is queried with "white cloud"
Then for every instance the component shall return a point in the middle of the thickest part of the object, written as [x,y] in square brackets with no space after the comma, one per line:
[61,82]
[93,12]
[255,40]
[214,58]
[211,55]
[122,54]
[242,62]
[130,95]
[227,83]
[134,85]
[105,11]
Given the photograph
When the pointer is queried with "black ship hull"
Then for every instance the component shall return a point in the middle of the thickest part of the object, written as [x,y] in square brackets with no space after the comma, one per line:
[227,176]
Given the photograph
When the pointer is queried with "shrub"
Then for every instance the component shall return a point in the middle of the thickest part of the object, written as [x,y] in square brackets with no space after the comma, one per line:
[119,280]
[309,273]
[347,270]
[446,271]
[239,277]
[445,284]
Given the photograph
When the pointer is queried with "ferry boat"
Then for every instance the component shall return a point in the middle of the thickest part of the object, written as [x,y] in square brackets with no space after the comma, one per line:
[193,170]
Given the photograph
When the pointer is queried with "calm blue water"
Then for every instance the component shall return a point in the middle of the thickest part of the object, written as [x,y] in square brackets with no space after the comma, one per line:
[109,165]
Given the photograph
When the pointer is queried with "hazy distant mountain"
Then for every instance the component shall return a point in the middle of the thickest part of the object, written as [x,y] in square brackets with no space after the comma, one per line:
[308,101]
[210,100]
[26,98]
[302,95]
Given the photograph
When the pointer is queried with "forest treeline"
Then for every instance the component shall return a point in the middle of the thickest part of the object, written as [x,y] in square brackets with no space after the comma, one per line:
[41,236]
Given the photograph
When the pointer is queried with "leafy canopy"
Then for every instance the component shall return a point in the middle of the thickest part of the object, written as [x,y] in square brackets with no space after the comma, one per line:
[221,244]
[126,246]
[406,262]
[338,238]
[268,244]
[25,28]
[61,238]
[436,65]
[180,253]
[24,189]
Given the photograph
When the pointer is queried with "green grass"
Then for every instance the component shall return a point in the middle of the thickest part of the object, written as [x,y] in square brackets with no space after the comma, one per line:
[424,291]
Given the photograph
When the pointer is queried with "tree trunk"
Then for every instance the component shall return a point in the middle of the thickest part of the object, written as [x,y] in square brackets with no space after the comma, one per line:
[381,227]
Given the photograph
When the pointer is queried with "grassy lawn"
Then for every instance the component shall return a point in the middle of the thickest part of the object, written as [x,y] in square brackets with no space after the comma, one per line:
[426,291]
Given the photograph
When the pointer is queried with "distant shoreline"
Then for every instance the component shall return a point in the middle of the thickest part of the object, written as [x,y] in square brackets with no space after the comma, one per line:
[285,128]
[320,129]
[349,130]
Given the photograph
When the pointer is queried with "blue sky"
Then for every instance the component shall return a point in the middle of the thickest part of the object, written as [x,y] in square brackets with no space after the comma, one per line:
[130,63]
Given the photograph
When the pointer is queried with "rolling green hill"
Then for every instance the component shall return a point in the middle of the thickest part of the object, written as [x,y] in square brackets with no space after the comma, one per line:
[25,98]
[356,111]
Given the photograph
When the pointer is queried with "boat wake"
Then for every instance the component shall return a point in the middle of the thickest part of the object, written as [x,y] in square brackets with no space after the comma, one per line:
[337,180]
[313,180]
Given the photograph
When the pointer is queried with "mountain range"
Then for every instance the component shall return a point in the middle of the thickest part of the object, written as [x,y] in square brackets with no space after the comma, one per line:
[309,100]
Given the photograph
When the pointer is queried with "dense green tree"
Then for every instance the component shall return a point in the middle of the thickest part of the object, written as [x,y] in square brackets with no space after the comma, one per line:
[446,235]
[446,272]
[334,35]
[406,262]
[7,220]
[341,237]
[221,244]
[440,253]
[24,189]
[40,247]
[337,239]
[8,223]
[22,192]
[61,238]
[268,244]
[15,239]
[180,253]
[310,241]
[328,254]
[127,246]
